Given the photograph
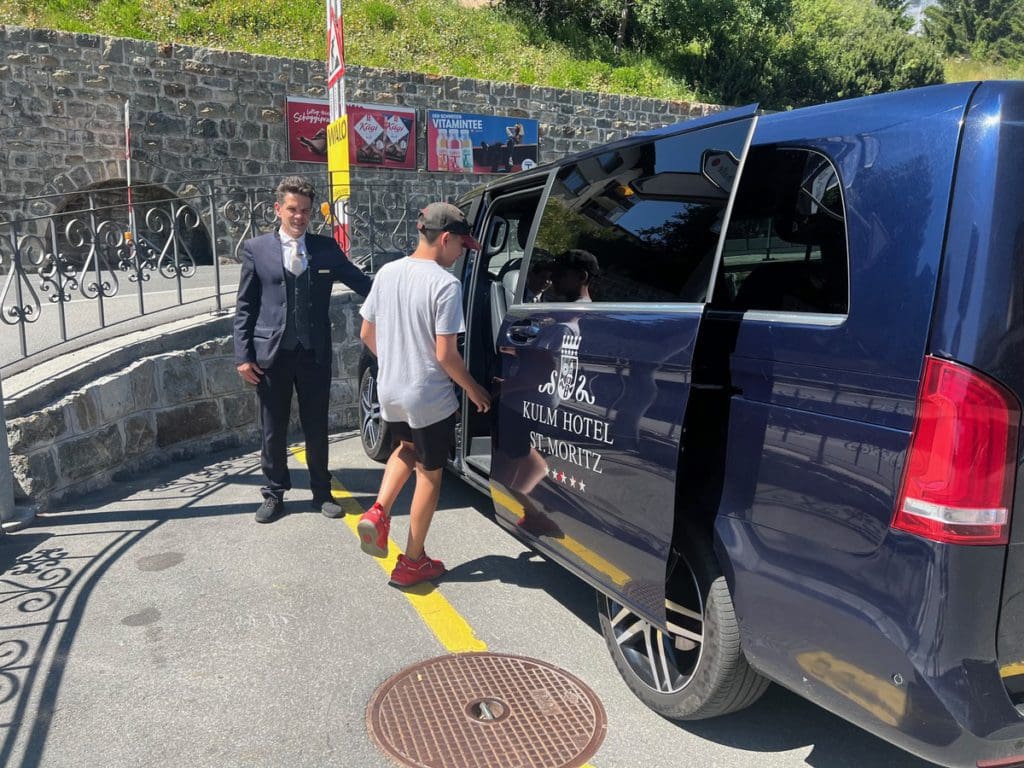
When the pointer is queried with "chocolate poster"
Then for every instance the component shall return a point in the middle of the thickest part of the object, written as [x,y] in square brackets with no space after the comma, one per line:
[307,130]
[382,136]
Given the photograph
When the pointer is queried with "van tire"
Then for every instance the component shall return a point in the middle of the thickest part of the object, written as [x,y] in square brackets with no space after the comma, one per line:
[373,432]
[710,680]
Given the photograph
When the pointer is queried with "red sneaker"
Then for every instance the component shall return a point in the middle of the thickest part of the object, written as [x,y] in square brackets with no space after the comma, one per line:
[373,529]
[409,572]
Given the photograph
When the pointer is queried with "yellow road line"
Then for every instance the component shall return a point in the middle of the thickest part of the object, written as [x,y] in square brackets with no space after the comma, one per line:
[588,556]
[1010,670]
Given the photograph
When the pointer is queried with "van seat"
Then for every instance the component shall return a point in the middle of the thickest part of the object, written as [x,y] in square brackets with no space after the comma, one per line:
[503,293]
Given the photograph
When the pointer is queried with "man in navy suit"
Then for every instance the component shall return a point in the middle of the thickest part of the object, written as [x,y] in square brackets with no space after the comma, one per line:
[283,339]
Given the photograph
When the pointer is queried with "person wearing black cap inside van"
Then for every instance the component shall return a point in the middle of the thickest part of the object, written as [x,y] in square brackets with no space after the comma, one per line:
[573,274]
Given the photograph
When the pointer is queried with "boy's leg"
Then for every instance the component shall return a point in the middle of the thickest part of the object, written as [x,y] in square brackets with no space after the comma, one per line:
[432,445]
[424,503]
[375,524]
[400,466]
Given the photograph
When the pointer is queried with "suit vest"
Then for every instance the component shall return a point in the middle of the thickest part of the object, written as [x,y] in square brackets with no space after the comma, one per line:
[296,329]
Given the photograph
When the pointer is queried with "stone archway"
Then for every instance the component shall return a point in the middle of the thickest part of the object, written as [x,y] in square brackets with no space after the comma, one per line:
[168,229]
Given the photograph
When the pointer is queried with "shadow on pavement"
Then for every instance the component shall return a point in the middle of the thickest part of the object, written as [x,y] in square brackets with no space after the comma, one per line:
[530,570]
[49,572]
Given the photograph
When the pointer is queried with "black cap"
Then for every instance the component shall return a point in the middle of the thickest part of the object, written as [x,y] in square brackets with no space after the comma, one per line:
[445,217]
[577,258]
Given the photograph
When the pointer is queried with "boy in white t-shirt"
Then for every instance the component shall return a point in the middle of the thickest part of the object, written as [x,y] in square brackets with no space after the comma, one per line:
[411,321]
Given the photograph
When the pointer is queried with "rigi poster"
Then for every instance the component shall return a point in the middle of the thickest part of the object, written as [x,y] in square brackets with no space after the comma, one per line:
[382,136]
[307,129]
[465,143]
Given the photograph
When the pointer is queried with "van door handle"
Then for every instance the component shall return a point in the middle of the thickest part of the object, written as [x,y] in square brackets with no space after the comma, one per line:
[523,332]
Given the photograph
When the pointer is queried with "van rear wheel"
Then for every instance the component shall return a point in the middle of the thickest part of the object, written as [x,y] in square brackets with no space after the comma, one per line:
[695,671]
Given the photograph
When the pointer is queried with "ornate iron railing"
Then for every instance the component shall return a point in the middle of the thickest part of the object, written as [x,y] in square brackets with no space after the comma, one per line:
[69,262]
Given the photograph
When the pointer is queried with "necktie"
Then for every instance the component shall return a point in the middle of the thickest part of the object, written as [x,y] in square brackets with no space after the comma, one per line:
[295,261]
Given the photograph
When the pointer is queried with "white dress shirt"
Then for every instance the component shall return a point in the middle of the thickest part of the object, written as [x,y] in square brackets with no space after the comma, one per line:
[288,248]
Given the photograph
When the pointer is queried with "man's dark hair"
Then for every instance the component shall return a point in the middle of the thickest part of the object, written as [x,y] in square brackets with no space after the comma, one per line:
[295,185]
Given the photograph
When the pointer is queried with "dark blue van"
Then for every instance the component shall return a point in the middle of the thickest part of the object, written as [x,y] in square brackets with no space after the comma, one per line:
[759,381]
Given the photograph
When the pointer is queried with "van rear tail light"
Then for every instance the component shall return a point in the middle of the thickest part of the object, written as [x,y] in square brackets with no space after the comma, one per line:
[958,479]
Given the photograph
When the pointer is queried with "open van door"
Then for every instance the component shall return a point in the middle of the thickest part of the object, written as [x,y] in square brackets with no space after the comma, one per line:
[596,352]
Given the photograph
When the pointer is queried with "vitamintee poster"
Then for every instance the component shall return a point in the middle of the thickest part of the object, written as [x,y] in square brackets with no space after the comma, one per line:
[465,143]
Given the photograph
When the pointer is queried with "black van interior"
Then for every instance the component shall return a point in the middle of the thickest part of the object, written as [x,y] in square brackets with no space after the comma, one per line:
[510,220]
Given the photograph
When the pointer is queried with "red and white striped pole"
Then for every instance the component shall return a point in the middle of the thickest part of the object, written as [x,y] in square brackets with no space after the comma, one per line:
[337,129]
[130,235]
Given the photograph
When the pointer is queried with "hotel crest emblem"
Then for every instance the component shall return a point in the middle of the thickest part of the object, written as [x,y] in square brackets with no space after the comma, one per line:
[567,380]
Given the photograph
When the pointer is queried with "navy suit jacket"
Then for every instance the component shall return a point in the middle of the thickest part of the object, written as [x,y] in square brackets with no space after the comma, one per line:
[261,309]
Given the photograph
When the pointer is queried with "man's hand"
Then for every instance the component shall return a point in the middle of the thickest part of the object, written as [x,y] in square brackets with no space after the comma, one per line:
[481,399]
[250,372]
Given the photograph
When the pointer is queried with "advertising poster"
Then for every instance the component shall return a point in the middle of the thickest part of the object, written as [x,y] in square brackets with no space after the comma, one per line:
[307,130]
[382,136]
[461,143]
[339,176]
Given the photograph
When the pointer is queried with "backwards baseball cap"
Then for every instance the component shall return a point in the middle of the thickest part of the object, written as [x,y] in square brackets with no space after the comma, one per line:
[445,217]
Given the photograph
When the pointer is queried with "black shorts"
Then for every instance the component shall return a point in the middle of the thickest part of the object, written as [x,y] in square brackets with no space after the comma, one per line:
[433,443]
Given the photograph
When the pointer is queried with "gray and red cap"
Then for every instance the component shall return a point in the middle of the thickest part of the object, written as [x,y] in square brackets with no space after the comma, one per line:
[445,217]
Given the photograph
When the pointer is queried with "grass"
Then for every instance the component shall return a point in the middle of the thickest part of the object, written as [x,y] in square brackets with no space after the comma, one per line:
[432,36]
[961,70]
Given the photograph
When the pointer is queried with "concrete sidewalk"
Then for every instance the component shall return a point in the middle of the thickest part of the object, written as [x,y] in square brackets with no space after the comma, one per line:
[155,623]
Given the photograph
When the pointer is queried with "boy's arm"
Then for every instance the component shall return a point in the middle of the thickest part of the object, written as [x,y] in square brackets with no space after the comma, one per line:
[368,333]
[448,356]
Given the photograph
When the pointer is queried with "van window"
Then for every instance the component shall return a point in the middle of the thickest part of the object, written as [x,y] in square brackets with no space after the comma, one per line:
[640,223]
[785,249]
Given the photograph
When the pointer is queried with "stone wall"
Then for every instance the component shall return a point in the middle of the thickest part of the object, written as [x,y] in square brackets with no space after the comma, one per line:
[161,408]
[202,113]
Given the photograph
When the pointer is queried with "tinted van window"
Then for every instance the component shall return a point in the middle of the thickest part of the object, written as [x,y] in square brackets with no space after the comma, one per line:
[785,249]
[641,221]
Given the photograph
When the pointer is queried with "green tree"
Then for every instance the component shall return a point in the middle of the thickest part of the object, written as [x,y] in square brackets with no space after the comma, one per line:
[822,50]
[977,28]
[900,12]
[781,53]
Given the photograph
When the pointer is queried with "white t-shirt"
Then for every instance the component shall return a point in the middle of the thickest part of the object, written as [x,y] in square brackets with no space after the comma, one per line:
[411,303]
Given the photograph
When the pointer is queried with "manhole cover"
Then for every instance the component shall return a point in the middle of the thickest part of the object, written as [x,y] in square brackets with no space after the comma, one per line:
[484,710]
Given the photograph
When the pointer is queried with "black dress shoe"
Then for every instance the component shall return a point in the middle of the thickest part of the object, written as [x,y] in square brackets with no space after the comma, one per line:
[271,509]
[327,508]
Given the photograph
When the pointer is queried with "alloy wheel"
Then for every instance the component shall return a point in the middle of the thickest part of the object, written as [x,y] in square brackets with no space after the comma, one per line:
[663,662]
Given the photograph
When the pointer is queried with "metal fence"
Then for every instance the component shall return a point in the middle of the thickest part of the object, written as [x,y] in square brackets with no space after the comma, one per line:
[83,266]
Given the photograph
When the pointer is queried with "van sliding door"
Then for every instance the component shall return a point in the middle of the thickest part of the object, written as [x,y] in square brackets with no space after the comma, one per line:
[596,352]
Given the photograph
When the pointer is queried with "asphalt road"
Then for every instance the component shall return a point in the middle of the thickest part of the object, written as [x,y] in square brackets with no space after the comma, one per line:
[156,624]
[163,300]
